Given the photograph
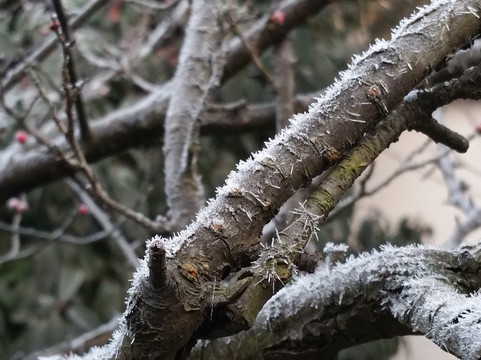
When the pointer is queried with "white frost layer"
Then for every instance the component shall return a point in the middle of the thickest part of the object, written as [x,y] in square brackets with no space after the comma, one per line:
[427,303]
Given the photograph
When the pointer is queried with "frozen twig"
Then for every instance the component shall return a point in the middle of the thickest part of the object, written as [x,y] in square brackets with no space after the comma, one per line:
[408,290]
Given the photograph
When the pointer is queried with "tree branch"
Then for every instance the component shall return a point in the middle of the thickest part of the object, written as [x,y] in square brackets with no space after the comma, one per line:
[394,292]
[197,76]
[277,263]
[64,36]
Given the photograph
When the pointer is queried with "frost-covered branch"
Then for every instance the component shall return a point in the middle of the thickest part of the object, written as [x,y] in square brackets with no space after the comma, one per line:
[393,292]
[417,109]
[197,76]
[278,261]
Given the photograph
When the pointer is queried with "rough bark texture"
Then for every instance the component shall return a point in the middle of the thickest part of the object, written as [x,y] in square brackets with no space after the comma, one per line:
[337,310]
[277,263]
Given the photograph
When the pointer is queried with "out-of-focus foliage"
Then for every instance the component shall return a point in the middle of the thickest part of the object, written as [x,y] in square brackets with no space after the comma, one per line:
[64,289]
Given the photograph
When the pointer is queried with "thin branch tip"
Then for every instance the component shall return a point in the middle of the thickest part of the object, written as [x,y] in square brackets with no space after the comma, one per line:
[441,134]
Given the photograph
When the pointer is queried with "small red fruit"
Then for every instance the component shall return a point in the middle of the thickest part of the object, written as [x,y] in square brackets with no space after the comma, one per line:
[54,25]
[115,11]
[82,209]
[21,136]
[278,17]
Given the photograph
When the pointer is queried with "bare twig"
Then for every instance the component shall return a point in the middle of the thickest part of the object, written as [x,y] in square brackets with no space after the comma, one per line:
[65,39]
[253,53]
[105,222]
[79,162]
[46,48]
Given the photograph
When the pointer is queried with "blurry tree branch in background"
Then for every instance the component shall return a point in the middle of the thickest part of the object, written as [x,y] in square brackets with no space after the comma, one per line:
[49,45]
[193,86]
[202,94]
[120,130]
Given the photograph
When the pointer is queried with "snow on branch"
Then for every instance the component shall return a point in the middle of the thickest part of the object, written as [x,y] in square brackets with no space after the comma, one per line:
[409,290]
[348,109]
[416,108]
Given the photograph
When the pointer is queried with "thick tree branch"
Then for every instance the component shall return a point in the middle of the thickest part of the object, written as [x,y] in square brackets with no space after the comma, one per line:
[384,294]
[278,261]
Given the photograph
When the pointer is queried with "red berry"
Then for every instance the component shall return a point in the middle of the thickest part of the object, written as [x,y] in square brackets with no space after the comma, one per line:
[278,17]
[82,209]
[21,136]
[115,11]
[54,25]
[17,205]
